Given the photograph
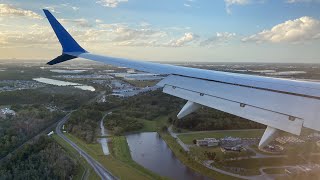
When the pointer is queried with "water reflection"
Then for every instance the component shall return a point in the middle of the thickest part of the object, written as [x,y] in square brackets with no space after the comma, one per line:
[64,83]
[150,151]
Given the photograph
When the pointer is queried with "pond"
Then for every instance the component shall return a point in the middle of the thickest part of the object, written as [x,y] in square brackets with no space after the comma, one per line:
[64,83]
[150,151]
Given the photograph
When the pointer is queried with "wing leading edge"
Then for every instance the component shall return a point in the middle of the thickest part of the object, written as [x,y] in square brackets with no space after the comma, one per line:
[280,104]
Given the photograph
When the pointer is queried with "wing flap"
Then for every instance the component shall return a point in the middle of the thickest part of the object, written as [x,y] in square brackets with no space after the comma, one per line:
[283,111]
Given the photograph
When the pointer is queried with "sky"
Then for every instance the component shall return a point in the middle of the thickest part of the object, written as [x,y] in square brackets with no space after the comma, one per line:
[167,30]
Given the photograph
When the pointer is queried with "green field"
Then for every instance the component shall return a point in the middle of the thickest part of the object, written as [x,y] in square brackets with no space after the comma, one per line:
[252,165]
[188,138]
[117,167]
[154,125]
[274,170]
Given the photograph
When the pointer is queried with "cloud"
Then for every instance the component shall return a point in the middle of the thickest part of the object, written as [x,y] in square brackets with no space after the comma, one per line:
[52,9]
[98,21]
[295,31]
[31,36]
[7,10]
[130,34]
[68,5]
[111,3]
[75,8]
[187,38]
[230,3]
[303,1]
[43,36]
[77,22]
[220,37]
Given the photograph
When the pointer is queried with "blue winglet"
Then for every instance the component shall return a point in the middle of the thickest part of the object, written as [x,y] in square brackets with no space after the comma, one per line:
[66,40]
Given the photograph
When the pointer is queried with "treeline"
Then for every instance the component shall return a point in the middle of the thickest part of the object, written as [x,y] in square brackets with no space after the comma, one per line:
[44,159]
[64,97]
[29,121]
[211,119]
[134,110]
[119,123]
[150,105]
[84,123]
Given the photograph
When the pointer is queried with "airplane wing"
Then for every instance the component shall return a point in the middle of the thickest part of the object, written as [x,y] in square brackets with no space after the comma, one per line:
[281,104]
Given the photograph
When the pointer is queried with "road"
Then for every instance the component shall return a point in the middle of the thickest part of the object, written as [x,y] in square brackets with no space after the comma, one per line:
[98,168]
[175,136]
[104,140]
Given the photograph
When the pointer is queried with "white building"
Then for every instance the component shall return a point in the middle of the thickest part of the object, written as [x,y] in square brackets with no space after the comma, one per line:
[6,112]
[212,142]
[209,142]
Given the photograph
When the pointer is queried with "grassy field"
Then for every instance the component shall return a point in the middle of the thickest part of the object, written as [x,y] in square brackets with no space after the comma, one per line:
[154,125]
[274,170]
[188,138]
[188,161]
[85,170]
[252,165]
[199,152]
[118,168]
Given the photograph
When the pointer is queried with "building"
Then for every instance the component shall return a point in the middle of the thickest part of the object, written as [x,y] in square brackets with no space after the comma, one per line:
[208,142]
[5,112]
[289,140]
[202,142]
[212,142]
[130,76]
[230,141]
[237,148]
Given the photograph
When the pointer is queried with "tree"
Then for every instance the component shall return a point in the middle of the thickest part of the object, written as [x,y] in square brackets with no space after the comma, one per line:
[194,141]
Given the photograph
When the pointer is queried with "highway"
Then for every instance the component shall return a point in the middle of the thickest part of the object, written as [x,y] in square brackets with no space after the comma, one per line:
[98,168]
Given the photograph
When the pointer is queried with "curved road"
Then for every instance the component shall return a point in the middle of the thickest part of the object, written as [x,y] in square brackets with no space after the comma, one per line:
[98,168]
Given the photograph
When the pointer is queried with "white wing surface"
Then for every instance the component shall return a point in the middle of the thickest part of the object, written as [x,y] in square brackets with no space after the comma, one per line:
[281,104]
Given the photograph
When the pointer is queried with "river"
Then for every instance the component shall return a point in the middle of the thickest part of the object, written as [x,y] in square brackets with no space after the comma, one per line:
[150,151]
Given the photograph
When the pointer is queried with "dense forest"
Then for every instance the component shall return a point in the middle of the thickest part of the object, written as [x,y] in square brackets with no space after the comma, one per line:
[28,122]
[130,113]
[120,123]
[64,97]
[211,119]
[84,123]
[44,159]
[150,105]
[134,110]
